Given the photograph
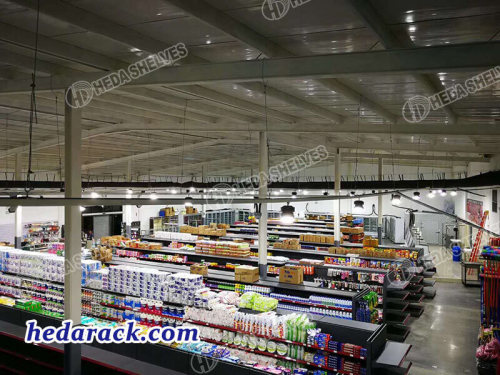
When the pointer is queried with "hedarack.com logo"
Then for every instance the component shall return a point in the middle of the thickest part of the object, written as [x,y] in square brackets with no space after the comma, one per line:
[273,10]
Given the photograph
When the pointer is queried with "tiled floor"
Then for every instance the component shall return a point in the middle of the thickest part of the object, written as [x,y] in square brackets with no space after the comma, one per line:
[444,338]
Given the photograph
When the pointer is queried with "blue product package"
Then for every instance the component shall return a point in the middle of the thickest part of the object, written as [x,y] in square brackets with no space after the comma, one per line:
[363,352]
[300,371]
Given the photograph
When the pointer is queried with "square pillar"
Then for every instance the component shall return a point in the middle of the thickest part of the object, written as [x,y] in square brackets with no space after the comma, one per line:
[263,180]
[73,231]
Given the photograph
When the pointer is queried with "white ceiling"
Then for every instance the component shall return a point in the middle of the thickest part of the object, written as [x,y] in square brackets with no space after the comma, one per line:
[232,111]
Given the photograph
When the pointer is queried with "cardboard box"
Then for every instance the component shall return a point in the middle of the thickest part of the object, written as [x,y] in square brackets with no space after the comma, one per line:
[199,269]
[336,250]
[246,274]
[291,274]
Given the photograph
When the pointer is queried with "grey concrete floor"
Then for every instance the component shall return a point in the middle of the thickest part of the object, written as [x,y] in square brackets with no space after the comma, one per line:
[444,337]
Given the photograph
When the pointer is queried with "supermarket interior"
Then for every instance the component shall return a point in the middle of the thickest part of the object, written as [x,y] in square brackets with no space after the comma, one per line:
[356,233]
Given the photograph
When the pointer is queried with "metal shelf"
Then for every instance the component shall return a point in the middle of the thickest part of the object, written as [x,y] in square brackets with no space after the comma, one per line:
[415,310]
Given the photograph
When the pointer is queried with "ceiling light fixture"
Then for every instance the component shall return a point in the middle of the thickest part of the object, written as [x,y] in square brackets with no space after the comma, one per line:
[359,206]
[396,199]
[188,202]
[287,214]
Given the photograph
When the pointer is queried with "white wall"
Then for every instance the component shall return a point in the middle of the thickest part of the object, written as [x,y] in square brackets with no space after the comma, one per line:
[30,215]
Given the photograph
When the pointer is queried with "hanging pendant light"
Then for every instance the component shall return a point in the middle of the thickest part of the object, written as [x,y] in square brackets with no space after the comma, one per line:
[359,206]
[287,214]
[396,199]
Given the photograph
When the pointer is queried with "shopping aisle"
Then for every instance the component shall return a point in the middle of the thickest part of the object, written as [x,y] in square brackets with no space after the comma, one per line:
[444,338]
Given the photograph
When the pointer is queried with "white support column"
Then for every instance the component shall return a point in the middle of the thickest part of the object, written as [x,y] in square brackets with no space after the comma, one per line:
[336,203]
[18,229]
[73,228]
[127,209]
[380,197]
[263,180]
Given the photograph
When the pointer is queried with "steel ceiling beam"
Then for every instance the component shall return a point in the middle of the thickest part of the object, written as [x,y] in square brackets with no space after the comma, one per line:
[92,22]
[488,179]
[389,40]
[453,57]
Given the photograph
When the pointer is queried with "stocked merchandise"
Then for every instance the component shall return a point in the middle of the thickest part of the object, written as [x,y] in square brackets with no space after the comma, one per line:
[148,312]
[361,263]
[306,237]
[40,265]
[175,236]
[290,338]
[315,300]
[257,302]
[120,241]
[223,248]
[367,308]
[157,257]
[488,351]
[246,274]
[191,210]
[351,280]
[288,244]
[114,240]
[490,289]
[167,211]
[369,241]
[143,245]
[205,230]
[102,254]
[42,233]
[375,252]
[56,248]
